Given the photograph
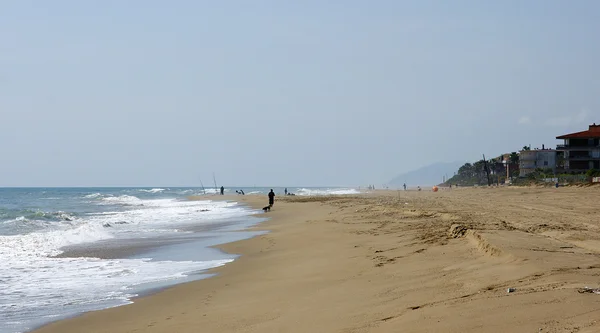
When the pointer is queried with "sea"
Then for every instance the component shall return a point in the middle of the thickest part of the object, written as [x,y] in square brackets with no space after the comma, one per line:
[65,251]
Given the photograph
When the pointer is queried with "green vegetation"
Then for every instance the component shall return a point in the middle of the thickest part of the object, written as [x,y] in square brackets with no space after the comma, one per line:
[474,173]
[540,174]
[593,173]
[471,174]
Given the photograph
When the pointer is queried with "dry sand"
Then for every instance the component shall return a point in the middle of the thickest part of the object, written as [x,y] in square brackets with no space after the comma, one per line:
[394,262]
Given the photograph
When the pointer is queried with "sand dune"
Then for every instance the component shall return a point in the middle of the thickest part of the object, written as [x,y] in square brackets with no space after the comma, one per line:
[394,262]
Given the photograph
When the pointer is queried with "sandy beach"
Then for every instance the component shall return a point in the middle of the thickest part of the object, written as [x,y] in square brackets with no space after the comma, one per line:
[393,261]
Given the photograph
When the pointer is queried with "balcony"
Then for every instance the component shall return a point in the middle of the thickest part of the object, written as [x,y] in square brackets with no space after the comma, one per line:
[571,147]
[583,158]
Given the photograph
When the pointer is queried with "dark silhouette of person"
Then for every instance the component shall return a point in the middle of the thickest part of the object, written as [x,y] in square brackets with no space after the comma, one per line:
[285,191]
[222,190]
[271,197]
[405,186]
[242,192]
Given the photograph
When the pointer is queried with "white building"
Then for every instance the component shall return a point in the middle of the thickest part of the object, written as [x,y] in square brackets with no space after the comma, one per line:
[529,160]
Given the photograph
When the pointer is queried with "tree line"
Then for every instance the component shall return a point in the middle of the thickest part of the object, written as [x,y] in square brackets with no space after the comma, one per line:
[476,174]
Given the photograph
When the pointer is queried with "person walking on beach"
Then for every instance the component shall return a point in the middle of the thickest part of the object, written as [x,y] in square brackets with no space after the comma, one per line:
[285,191]
[405,186]
[271,197]
[222,190]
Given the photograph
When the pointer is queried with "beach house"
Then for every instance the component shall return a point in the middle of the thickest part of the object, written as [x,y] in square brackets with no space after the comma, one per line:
[532,159]
[581,151]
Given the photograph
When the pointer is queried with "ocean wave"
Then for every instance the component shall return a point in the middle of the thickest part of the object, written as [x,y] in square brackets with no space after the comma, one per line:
[38,237]
[37,215]
[93,195]
[210,191]
[63,216]
[48,243]
[189,191]
[154,190]
[127,200]
[165,212]
[21,225]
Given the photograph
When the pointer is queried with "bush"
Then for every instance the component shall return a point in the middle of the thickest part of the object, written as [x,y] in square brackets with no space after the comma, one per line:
[548,171]
[593,173]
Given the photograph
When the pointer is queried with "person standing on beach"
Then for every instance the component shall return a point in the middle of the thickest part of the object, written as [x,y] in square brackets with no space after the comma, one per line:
[271,197]
[285,191]
[405,186]
[222,190]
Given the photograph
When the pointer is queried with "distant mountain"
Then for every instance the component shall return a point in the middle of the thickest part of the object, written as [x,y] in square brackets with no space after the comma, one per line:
[428,175]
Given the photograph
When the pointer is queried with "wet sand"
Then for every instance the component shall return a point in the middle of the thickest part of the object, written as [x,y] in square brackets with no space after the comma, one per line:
[393,262]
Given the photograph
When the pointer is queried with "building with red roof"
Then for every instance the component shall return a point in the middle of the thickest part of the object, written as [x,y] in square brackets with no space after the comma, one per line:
[581,150]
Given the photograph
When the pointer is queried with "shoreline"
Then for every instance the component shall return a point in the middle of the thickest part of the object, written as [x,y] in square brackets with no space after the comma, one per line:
[234,248]
[138,250]
[390,261]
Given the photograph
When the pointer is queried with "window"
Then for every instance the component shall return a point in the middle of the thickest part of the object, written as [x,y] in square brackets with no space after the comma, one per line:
[545,163]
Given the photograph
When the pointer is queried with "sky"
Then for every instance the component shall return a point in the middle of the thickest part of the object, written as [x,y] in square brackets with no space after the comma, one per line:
[284,93]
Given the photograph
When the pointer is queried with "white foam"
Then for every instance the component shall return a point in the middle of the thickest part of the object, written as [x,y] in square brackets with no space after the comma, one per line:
[75,283]
[330,191]
[48,243]
[164,212]
[154,190]
[210,190]
[152,216]
[35,281]
[22,224]
[123,200]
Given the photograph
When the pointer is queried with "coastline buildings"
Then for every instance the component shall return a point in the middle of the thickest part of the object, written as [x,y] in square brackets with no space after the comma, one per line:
[529,160]
[580,151]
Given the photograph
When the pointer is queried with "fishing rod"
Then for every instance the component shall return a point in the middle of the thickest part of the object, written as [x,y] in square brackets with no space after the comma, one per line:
[203,190]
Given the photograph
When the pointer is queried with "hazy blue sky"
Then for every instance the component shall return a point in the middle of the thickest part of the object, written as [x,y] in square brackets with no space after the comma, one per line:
[341,92]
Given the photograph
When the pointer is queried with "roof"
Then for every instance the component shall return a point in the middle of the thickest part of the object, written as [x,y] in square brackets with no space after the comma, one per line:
[592,132]
[538,151]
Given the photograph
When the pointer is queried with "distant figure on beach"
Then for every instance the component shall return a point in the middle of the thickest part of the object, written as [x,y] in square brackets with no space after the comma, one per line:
[285,191]
[271,197]
[222,190]
[242,192]
[405,186]
[418,188]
